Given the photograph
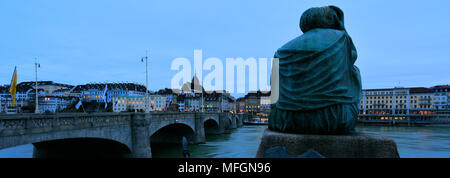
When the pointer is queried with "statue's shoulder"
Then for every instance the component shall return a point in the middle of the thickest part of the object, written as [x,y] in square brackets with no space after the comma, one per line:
[314,40]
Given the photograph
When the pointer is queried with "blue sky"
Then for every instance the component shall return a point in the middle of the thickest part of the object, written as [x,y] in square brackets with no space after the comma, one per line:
[84,41]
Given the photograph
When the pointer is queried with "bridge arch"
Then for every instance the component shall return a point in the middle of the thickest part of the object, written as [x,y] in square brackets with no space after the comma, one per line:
[105,135]
[173,133]
[211,126]
[170,137]
[84,147]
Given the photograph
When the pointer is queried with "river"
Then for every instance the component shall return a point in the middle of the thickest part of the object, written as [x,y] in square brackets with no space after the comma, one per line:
[412,142]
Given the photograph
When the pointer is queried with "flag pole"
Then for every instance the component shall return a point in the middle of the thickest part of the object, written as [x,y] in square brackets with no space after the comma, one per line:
[146,76]
[98,106]
[82,105]
[13,89]
[203,99]
[1,108]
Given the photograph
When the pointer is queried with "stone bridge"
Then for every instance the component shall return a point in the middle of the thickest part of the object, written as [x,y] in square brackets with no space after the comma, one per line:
[110,134]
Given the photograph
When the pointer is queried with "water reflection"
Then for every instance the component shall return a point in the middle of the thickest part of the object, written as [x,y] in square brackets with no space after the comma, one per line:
[21,151]
[415,142]
[240,143]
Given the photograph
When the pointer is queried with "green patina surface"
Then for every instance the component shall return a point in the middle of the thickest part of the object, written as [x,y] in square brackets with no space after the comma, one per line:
[319,85]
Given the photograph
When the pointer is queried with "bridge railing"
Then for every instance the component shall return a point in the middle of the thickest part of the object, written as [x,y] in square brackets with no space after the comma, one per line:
[36,123]
[19,124]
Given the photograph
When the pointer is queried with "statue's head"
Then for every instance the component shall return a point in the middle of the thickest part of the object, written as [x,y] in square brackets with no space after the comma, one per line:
[322,17]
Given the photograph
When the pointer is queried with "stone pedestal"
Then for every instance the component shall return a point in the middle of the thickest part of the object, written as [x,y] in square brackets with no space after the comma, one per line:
[356,145]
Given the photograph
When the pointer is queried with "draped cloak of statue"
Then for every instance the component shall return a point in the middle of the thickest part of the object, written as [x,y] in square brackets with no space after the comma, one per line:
[319,87]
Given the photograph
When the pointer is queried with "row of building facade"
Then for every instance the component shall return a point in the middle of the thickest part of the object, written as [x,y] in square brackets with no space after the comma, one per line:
[400,100]
[55,97]
[256,104]
[433,102]
[192,97]
[120,97]
[49,97]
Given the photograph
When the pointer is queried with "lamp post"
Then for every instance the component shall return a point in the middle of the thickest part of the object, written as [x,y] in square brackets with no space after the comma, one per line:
[36,65]
[203,99]
[146,79]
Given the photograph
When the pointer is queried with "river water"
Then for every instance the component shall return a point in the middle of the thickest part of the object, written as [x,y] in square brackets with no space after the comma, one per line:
[412,142]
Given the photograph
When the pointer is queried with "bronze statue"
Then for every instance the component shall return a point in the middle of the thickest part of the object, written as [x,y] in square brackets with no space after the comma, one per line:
[319,85]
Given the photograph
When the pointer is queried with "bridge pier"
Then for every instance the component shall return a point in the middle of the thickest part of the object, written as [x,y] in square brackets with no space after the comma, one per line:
[240,119]
[223,124]
[38,152]
[140,136]
[199,130]
[233,122]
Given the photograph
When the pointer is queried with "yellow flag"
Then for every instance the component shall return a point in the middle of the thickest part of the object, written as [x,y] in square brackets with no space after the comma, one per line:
[12,89]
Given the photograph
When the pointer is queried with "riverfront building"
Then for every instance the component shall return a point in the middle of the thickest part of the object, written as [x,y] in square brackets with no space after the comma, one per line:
[94,91]
[256,104]
[441,99]
[139,103]
[240,105]
[397,101]
[255,101]
[171,98]
[193,97]
[49,87]
[50,97]
[208,101]
[403,103]
[54,97]
[22,98]
[218,101]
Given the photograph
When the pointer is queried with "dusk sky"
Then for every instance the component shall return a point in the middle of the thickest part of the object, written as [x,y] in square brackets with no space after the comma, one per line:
[399,43]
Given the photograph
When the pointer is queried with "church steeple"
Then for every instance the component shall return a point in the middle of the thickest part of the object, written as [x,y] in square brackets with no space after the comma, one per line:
[196,87]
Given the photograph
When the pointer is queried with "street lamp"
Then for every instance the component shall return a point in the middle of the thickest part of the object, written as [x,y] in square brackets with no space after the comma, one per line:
[146,79]
[36,65]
